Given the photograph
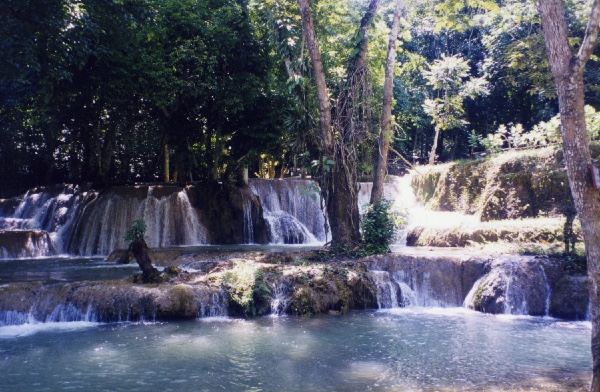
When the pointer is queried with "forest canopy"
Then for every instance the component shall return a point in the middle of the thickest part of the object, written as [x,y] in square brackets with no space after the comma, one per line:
[122,91]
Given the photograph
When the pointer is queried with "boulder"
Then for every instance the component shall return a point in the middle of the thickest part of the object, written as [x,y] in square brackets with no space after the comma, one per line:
[570,298]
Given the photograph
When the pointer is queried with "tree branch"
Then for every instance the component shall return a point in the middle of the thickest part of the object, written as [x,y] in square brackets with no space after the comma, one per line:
[589,40]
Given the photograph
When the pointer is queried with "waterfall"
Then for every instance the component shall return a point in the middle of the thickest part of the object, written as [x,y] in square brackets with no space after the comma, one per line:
[292,210]
[25,243]
[216,306]
[248,225]
[32,303]
[409,298]
[281,298]
[69,219]
[102,223]
[471,297]
[387,289]
[548,291]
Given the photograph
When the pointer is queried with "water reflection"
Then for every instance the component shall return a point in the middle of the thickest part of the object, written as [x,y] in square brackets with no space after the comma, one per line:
[399,350]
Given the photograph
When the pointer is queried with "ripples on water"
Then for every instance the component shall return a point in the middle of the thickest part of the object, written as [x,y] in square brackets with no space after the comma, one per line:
[400,349]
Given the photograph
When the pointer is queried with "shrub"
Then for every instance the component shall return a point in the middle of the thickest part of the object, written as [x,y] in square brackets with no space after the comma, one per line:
[379,226]
[137,230]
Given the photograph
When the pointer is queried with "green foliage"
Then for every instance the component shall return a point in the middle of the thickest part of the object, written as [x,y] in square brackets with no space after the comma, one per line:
[379,225]
[311,190]
[249,294]
[136,231]
[449,78]
[543,133]
[323,165]
[222,82]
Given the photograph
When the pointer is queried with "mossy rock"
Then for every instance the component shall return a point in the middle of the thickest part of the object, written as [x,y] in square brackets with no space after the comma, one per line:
[511,185]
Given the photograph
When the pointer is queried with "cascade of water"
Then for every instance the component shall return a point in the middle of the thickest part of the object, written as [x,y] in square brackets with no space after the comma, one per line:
[90,223]
[409,298]
[387,289]
[548,291]
[69,313]
[401,192]
[39,208]
[280,300]
[293,216]
[515,299]
[471,297]
[25,243]
[12,317]
[171,220]
[248,225]
[60,313]
[216,306]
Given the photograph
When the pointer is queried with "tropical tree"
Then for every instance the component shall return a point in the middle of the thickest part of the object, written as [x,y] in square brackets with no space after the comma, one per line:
[385,131]
[449,80]
[567,70]
[339,136]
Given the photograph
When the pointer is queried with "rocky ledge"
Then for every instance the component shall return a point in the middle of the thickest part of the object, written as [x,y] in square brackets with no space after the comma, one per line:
[302,283]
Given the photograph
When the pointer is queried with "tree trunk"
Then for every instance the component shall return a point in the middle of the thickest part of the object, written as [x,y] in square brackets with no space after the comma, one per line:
[339,183]
[167,167]
[385,134]
[568,76]
[319,74]
[105,160]
[139,249]
[435,144]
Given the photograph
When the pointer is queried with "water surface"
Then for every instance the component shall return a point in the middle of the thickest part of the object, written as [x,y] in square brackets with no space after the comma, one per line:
[399,350]
[63,269]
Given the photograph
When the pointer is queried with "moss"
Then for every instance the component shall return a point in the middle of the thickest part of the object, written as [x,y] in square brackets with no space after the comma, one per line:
[181,303]
[478,298]
[248,293]
[303,303]
[509,186]
[346,299]
[539,230]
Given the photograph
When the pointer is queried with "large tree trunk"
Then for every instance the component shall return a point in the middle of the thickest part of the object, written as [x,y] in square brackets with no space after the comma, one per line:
[385,133]
[339,183]
[319,74]
[568,76]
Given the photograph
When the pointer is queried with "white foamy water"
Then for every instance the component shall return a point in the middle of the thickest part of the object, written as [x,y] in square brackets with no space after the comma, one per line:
[16,331]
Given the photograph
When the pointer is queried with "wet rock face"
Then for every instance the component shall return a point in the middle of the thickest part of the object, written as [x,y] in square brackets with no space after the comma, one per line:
[87,222]
[514,285]
[436,280]
[224,210]
[109,302]
[219,291]
[545,230]
[570,298]
[293,284]
[327,294]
